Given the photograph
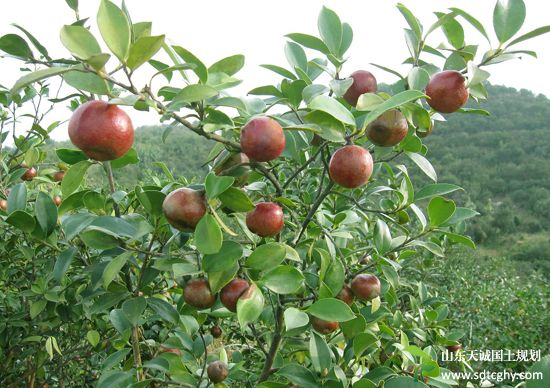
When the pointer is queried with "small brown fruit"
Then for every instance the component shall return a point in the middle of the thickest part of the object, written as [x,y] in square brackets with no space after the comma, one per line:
[267,219]
[363,82]
[388,129]
[447,91]
[216,331]
[183,208]
[57,200]
[58,176]
[345,295]
[365,286]
[197,293]
[262,139]
[3,204]
[217,371]
[454,348]
[231,293]
[351,166]
[30,174]
[322,326]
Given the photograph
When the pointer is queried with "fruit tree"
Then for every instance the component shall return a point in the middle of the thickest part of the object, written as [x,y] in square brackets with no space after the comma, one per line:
[282,266]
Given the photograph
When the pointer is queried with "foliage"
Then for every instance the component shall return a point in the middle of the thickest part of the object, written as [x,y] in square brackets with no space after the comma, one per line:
[94,290]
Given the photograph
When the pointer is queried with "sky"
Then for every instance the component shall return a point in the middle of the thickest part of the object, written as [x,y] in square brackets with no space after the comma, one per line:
[216,29]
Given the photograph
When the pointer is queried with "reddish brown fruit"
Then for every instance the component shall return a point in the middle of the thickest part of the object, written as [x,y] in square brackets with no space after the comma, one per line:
[447,91]
[365,286]
[183,208]
[58,176]
[101,130]
[345,295]
[197,293]
[231,293]
[388,129]
[262,139]
[30,174]
[3,204]
[170,350]
[366,259]
[216,331]
[235,165]
[351,166]
[363,82]
[454,348]
[267,219]
[57,200]
[323,327]
[217,371]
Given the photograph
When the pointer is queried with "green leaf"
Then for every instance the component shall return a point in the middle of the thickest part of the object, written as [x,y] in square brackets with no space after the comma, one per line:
[200,69]
[472,20]
[392,103]
[194,93]
[17,199]
[476,75]
[88,82]
[157,363]
[280,70]
[119,320]
[216,185]
[114,28]
[151,200]
[541,367]
[319,353]
[133,308]
[36,76]
[73,4]
[331,129]
[299,375]
[332,107]
[37,307]
[144,49]
[369,101]
[382,236]
[424,165]
[63,263]
[41,49]
[457,238]
[236,199]
[435,189]
[295,55]
[266,256]
[70,156]
[230,65]
[14,45]
[460,214]
[164,309]
[98,238]
[295,318]
[404,382]
[208,236]
[418,78]
[284,279]
[21,220]
[508,17]
[130,157]
[330,29]
[113,268]
[218,280]
[93,337]
[532,34]
[79,41]
[250,305]
[413,22]
[331,309]
[442,20]
[309,41]
[440,210]
[114,359]
[73,177]
[361,342]
[430,246]
[229,254]
[46,213]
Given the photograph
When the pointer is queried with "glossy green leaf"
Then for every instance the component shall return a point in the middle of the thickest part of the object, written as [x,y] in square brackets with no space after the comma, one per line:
[382,236]
[440,210]
[435,189]
[236,199]
[93,337]
[134,308]
[194,93]
[295,318]
[37,307]
[17,198]
[331,309]
[299,375]
[361,342]
[230,65]
[36,76]
[199,69]
[166,311]
[418,78]
[423,164]
[98,238]
[460,214]
[113,268]
[46,213]
[14,45]
[392,103]
[295,55]
[218,280]
[114,28]
[330,29]
[208,235]
[404,382]
[88,82]
[266,256]
[319,353]
[215,185]
[284,279]
[530,35]
[63,262]
[250,305]
[144,49]
[21,220]
[70,156]
[541,368]
[309,41]
[229,254]
[79,41]
[413,22]
[332,107]
[508,17]
[74,177]
[130,157]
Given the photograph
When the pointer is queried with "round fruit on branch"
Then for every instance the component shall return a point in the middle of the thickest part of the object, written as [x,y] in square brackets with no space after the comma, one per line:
[217,371]
[101,130]
[30,174]
[183,208]
[216,331]
[266,220]
[322,326]
[231,293]
[351,166]
[454,348]
[262,139]
[197,293]
[235,165]
[57,200]
[388,129]
[366,287]
[345,295]
[363,82]
[3,204]
[58,176]
[447,91]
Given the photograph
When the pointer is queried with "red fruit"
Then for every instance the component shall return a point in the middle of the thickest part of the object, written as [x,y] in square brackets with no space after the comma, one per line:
[101,130]
[170,350]
[58,176]
[345,295]
[231,293]
[3,204]
[57,200]
[216,331]
[262,139]
[183,208]
[266,219]
[217,371]
[351,166]
[454,348]
[365,286]
[388,129]
[363,82]
[197,293]
[323,327]
[447,91]
[30,174]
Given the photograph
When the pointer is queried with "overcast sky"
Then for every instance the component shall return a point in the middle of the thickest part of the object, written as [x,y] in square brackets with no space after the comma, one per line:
[215,29]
